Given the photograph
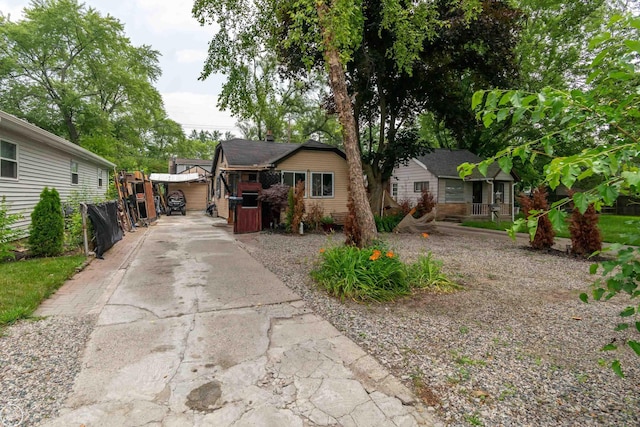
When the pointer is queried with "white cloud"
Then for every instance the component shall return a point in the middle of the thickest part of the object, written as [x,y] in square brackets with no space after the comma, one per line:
[166,15]
[191,55]
[12,10]
[198,111]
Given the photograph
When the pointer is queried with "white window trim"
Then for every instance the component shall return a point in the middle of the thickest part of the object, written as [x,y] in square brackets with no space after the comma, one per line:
[333,185]
[8,178]
[306,180]
[76,173]
[394,189]
[446,194]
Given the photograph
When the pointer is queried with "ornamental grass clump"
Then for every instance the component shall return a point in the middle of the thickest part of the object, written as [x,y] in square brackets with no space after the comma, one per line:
[375,274]
[426,273]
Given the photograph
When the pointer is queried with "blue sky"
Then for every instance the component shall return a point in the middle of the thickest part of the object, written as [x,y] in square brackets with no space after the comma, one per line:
[167,25]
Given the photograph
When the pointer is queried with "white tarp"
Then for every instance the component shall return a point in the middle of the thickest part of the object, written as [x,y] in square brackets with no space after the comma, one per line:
[172,178]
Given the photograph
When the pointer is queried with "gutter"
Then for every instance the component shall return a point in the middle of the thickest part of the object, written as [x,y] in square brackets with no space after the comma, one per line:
[47,138]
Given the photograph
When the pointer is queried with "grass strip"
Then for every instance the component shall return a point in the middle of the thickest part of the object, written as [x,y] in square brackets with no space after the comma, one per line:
[614,228]
[25,284]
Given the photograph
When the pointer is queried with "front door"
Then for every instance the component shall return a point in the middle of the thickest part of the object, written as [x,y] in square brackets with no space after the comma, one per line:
[249,211]
[477,191]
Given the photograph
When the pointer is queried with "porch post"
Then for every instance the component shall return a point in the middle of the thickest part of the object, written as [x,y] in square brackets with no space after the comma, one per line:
[513,217]
[493,201]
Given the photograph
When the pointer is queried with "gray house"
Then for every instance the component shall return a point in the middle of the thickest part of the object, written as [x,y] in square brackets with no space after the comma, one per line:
[32,158]
[475,196]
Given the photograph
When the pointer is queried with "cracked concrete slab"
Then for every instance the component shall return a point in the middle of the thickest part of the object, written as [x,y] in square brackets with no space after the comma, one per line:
[198,333]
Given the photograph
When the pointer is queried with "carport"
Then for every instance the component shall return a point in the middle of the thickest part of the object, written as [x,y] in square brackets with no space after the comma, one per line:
[195,187]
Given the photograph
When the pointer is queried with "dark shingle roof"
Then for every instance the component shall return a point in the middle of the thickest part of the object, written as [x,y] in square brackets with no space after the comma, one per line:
[193,162]
[244,152]
[444,163]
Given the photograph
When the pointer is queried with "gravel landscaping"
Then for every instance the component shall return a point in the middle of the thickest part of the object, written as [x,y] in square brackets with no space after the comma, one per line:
[515,347]
[38,363]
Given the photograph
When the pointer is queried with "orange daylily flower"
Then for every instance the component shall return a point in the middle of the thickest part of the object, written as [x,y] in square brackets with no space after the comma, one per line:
[390,254]
[425,235]
[376,255]
[321,250]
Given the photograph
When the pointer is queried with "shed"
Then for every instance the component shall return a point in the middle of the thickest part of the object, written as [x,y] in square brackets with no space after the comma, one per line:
[193,182]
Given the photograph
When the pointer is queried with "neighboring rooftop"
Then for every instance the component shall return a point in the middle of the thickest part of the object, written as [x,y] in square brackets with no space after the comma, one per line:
[244,152]
[443,162]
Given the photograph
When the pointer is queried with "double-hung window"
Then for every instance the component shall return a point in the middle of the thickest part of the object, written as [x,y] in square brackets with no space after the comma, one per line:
[74,172]
[100,172]
[321,184]
[8,160]
[420,186]
[291,178]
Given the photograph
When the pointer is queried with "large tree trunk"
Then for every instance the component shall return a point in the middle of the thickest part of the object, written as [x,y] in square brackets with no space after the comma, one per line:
[376,186]
[337,80]
[74,136]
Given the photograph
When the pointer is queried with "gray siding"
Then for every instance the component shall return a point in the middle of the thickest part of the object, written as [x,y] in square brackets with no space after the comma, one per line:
[41,166]
[405,176]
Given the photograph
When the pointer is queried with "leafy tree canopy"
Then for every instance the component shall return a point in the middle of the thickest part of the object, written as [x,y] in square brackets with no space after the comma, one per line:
[72,71]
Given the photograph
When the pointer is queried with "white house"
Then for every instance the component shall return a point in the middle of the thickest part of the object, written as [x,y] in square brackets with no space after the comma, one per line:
[32,158]
[475,196]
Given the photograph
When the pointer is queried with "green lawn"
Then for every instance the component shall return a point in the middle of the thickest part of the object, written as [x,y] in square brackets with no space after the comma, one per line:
[25,284]
[614,228]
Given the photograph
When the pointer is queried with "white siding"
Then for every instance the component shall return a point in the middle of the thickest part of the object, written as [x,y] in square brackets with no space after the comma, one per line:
[405,176]
[41,166]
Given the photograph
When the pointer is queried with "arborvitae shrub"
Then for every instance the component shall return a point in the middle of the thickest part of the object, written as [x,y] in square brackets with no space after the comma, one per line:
[585,234]
[298,207]
[290,209]
[46,236]
[538,202]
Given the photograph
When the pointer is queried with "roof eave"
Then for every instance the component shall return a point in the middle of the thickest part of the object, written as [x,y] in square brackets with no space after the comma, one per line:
[40,135]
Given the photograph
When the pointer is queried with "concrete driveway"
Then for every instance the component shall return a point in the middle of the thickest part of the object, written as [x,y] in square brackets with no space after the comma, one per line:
[195,332]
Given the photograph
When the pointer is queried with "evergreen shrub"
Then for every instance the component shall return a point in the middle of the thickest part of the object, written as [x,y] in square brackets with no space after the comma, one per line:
[46,236]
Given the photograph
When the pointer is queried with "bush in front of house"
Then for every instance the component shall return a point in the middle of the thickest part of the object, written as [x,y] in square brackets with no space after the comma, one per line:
[585,234]
[536,205]
[298,207]
[386,224]
[46,236]
[277,197]
[425,204]
[291,203]
[7,233]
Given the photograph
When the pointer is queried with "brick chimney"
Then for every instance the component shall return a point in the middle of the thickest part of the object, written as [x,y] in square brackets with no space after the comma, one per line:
[270,136]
